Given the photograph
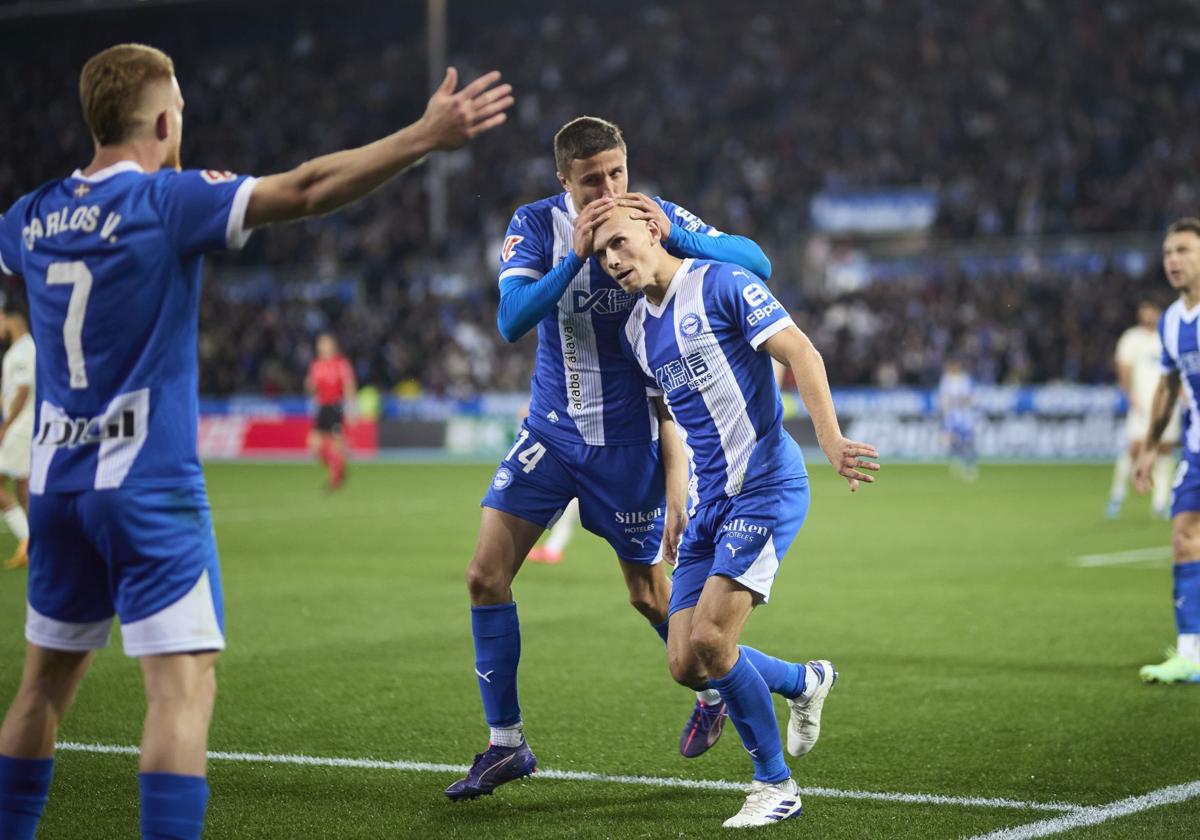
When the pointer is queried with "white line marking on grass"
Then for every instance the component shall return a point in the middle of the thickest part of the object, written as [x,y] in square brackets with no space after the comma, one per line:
[1118,558]
[1087,816]
[582,776]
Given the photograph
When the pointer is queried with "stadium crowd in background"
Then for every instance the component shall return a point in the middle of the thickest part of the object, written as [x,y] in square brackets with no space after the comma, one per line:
[1024,118]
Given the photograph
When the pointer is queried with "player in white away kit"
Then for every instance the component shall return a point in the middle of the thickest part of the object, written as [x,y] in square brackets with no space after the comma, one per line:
[119,516]
[591,433]
[695,337]
[956,401]
[1139,367]
[1179,330]
[16,431]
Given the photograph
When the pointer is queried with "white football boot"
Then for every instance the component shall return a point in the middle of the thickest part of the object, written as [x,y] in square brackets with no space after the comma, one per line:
[768,804]
[804,722]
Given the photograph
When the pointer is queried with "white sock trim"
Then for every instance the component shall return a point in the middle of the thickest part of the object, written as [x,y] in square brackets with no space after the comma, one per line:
[508,736]
[17,522]
[709,697]
[1188,646]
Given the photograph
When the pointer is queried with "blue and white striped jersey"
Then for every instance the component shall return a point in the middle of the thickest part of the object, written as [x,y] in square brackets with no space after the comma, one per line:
[1179,330]
[112,264]
[699,348]
[583,390]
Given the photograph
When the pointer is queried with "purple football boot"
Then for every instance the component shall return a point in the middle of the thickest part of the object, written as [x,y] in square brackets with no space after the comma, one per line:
[493,768]
[703,730]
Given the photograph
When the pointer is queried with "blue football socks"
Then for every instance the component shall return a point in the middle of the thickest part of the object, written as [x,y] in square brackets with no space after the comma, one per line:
[1187,597]
[661,630]
[753,715]
[172,806]
[782,677]
[497,652]
[24,789]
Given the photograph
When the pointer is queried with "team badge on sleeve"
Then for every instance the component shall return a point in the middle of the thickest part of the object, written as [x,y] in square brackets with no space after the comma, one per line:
[217,176]
[510,246]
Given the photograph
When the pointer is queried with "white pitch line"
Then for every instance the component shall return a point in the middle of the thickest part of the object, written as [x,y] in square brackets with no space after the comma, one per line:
[1098,814]
[1118,558]
[582,776]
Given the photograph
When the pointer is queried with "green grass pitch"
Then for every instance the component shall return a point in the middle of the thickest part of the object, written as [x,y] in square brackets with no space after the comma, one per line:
[977,659]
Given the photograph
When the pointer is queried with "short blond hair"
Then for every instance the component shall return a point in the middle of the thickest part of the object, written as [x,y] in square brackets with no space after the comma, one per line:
[111,87]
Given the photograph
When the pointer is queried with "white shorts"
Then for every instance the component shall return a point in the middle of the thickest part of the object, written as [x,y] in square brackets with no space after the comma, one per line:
[1137,426]
[14,451]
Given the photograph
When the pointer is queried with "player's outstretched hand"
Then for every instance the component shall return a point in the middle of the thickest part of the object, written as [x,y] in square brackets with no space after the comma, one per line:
[644,207]
[849,458]
[1143,470]
[674,524]
[590,218]
[454,117]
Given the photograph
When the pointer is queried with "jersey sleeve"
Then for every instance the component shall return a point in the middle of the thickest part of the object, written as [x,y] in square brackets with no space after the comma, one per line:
[528,246]
[1168,362]
[204,210]
[747,303]
[685,219]
[10,240]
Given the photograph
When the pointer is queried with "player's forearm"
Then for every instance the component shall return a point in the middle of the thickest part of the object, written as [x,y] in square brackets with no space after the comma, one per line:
[812,383]
[674,459]
[524,300]
[1161,408]
[332,181]
[724,248]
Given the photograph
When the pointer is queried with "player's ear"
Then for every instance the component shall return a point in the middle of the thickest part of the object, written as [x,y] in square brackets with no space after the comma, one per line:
[562,180]
[655,232]
[162,126]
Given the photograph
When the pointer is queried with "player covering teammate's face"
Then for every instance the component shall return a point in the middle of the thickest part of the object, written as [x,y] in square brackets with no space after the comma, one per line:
[629,250]
[603,175]
[1181,259]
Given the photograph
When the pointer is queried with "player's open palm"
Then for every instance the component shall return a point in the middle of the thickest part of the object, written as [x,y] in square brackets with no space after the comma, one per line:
[850,458]
[454,117]
[590,217]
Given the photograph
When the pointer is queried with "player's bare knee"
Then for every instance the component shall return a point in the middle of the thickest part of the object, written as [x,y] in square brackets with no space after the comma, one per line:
[1185,542]
[487,582]
[688,671]
[711,647]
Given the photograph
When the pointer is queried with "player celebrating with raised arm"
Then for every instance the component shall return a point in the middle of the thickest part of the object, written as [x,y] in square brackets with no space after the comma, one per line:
[590,434]
[1179,330]
[695,334]
[119,516]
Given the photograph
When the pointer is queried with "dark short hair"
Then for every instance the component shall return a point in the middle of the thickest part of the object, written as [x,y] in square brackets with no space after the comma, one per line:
[1185,225]
[582,138]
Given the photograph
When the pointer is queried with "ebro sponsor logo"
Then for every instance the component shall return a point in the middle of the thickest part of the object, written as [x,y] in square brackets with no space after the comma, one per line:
[762,313]
[80,431]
